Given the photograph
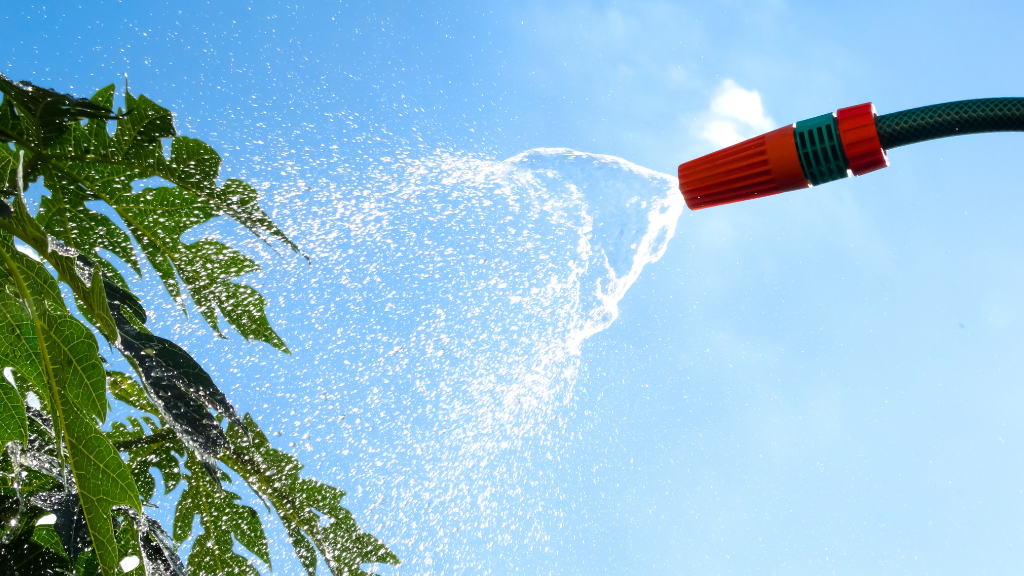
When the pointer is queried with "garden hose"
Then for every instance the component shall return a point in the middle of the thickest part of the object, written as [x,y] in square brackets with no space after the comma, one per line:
[852,141]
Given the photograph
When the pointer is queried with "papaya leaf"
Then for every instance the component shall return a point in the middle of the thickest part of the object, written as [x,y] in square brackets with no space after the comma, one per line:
[86,163]
[177,385]
[68,350]
[74,356]
[145,451]
[8,167]
[25,556]
[72,351]
[70,525]
[79,274]
[18,347]
[143,125]
[207,269]
[128,544]
[11,127]
[64,215]
[103,480]
[88,565]
[157,217]
[144,536]
[47,536]
[13,421]
[124,388]
[221,517]
[310,511]
[50,111]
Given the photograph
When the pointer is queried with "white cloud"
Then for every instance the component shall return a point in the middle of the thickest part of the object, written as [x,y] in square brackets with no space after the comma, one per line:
[734,115]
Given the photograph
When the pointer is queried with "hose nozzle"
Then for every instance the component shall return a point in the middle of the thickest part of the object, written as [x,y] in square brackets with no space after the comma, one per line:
[810,152]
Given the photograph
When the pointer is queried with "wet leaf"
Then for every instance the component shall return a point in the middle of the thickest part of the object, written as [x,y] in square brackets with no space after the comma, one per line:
[70,525]
[311,511]
[143,536]
[179,388]
[48,112]
[221,518]
[13,421]
[68,354]
[25,556]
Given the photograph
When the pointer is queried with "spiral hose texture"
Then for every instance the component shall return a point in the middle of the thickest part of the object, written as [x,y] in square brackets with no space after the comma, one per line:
[950,119]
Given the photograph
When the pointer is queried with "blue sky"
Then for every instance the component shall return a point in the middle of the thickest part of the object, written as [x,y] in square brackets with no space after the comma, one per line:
[822,381]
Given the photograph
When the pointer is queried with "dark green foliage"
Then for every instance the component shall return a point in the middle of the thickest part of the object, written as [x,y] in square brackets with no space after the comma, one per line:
[55,459]
[30,554]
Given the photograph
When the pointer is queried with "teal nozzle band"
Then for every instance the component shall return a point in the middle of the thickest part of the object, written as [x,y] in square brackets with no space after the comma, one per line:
[820,149]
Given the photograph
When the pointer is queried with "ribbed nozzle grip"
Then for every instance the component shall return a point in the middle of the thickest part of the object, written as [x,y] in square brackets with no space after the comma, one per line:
[765,165]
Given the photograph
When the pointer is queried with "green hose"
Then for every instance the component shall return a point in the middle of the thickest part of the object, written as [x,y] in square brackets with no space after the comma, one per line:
[950,119]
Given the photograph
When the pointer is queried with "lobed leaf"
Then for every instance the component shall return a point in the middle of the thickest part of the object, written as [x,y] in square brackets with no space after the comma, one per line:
[48,112]
[143,536]
[179,388]
[304,505]
[68,355]
[221,518]
[77,272]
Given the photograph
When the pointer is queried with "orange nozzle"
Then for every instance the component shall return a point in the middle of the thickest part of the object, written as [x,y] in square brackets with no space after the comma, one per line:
[764,165]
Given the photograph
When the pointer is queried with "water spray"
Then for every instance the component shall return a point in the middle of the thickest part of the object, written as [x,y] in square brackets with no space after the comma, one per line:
[853,141]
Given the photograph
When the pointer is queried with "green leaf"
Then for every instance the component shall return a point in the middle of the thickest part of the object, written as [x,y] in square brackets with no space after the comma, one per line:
[221,517]
[80,275]
[145,451]
[13,421]
[178,386]
[157,218]
[49,112]
[18,346]
[128,544]
[124,388]
[145,122]
[103,480]
[72,349]
[87,163]
[8,167]
[207,269]
[25,556]
[87,564]
[64,215]
[104,97]
[144,538]
[304,505]
[211,555]
[48,537]
[77,367]
[67,351]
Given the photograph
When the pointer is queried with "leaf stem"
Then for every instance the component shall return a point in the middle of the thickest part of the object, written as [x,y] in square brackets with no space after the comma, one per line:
[162,435]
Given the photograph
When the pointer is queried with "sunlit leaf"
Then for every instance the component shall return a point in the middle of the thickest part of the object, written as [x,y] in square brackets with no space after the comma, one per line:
[310,510]
[50,111]
[221,517]
[13,421]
